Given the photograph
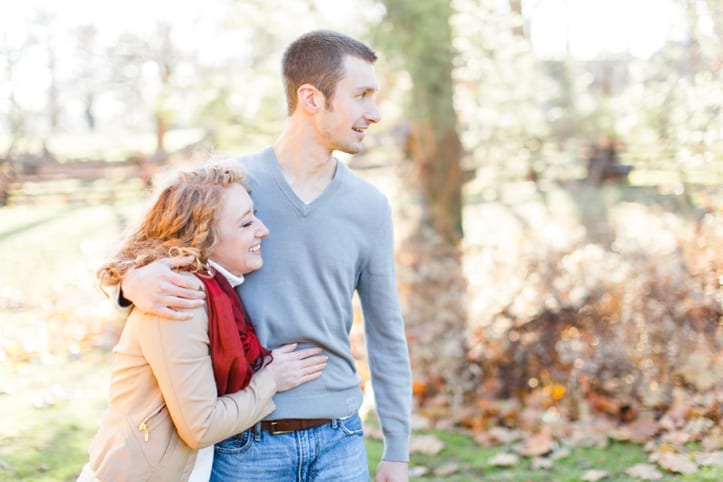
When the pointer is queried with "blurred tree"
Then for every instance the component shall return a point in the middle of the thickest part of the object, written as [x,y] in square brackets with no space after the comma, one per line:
[143,68]
[695,50]
[44,23]
[166,58]
[509,106]
[241,100]
[715,11]
[88,68]
[15,115]
[419,33]
[423,35]
[14,50]
[670,110]
[704,24]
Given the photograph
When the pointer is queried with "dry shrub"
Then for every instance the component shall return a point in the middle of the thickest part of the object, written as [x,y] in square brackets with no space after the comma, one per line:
[432,292]
[628,320]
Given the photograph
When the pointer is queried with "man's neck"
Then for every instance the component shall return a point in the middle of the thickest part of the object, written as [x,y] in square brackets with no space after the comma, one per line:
[307,167]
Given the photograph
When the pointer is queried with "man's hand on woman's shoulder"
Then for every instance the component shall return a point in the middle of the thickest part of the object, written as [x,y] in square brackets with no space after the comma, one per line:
[159,290]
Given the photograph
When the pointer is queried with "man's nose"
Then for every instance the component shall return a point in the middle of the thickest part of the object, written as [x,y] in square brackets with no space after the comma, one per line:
[373,115]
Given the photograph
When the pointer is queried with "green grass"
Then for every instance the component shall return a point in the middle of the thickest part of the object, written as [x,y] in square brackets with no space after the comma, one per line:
[50,410]
[43,246]
[50,404]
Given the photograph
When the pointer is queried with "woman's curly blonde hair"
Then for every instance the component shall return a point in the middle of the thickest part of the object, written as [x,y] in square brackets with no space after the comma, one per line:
[181,221]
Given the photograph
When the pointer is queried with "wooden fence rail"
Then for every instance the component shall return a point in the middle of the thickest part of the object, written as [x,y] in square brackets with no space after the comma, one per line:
[76,182]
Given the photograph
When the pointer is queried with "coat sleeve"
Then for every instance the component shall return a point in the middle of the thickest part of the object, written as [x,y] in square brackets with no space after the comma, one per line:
[122,305]
[179,356]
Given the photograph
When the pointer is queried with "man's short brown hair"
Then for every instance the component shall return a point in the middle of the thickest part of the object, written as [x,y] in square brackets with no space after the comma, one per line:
[317,58]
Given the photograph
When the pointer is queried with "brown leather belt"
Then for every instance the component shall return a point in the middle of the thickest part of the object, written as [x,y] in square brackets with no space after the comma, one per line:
[286,425]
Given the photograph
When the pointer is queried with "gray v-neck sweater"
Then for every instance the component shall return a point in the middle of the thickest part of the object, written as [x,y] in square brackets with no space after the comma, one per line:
[316,256]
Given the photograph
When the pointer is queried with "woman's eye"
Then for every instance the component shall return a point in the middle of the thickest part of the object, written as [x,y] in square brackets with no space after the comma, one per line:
[247,223]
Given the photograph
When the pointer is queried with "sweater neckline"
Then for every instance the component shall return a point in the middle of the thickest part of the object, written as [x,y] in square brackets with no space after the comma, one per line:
[302,207]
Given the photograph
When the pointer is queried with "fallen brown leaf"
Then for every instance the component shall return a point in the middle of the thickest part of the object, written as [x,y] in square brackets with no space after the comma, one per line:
[712,459]
[589,438]
[505,435]
[420,422]
[426,444]
[373,433]
[677,463]
[418,471]
[503,459]
[446,470]
[560,453]
[676,415]
[698,427]
[542,463]
[485,439]
[538,444]
[594,475]
[697,370]
[676,438]
[603,403]
[713,441]
[644,472]
[639,431]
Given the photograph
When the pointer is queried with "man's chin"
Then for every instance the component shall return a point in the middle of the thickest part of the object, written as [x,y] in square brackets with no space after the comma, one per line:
[351,149]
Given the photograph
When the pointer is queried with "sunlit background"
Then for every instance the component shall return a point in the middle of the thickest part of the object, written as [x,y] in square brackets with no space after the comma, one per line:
[555,169]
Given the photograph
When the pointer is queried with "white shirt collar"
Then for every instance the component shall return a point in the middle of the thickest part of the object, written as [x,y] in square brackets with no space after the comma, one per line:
[230,277]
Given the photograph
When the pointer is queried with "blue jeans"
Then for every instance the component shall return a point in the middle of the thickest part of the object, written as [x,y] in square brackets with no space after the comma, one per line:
[331,452]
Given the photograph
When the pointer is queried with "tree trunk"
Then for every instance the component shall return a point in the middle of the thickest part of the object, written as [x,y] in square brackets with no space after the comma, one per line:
[516,8]
[432,284]
[165,60]
[715,10]
[161,129]
[695,52]
[424,35]
[436,151]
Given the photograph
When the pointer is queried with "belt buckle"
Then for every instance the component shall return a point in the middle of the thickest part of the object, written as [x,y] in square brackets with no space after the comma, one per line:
[274,431]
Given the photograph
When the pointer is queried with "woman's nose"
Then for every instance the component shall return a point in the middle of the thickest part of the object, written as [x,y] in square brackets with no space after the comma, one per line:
[263,231]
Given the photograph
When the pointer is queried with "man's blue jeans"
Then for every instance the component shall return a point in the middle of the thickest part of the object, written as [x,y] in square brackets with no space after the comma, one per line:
[331,452]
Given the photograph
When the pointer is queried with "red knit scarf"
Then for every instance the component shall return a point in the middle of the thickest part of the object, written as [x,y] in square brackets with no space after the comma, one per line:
[235,350]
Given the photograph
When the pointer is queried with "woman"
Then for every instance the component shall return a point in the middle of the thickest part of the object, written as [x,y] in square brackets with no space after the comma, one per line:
[179,386]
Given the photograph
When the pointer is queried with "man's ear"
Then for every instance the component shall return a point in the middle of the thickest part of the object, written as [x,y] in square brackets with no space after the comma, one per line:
[310,98]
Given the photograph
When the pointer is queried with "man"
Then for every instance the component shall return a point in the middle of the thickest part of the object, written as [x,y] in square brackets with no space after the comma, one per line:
[331,235]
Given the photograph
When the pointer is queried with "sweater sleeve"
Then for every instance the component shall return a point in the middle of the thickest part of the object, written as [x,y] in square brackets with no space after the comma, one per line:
[178,353]
[386,342]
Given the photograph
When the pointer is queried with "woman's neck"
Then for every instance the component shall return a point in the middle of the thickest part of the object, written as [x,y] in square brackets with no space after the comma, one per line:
[233,279]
